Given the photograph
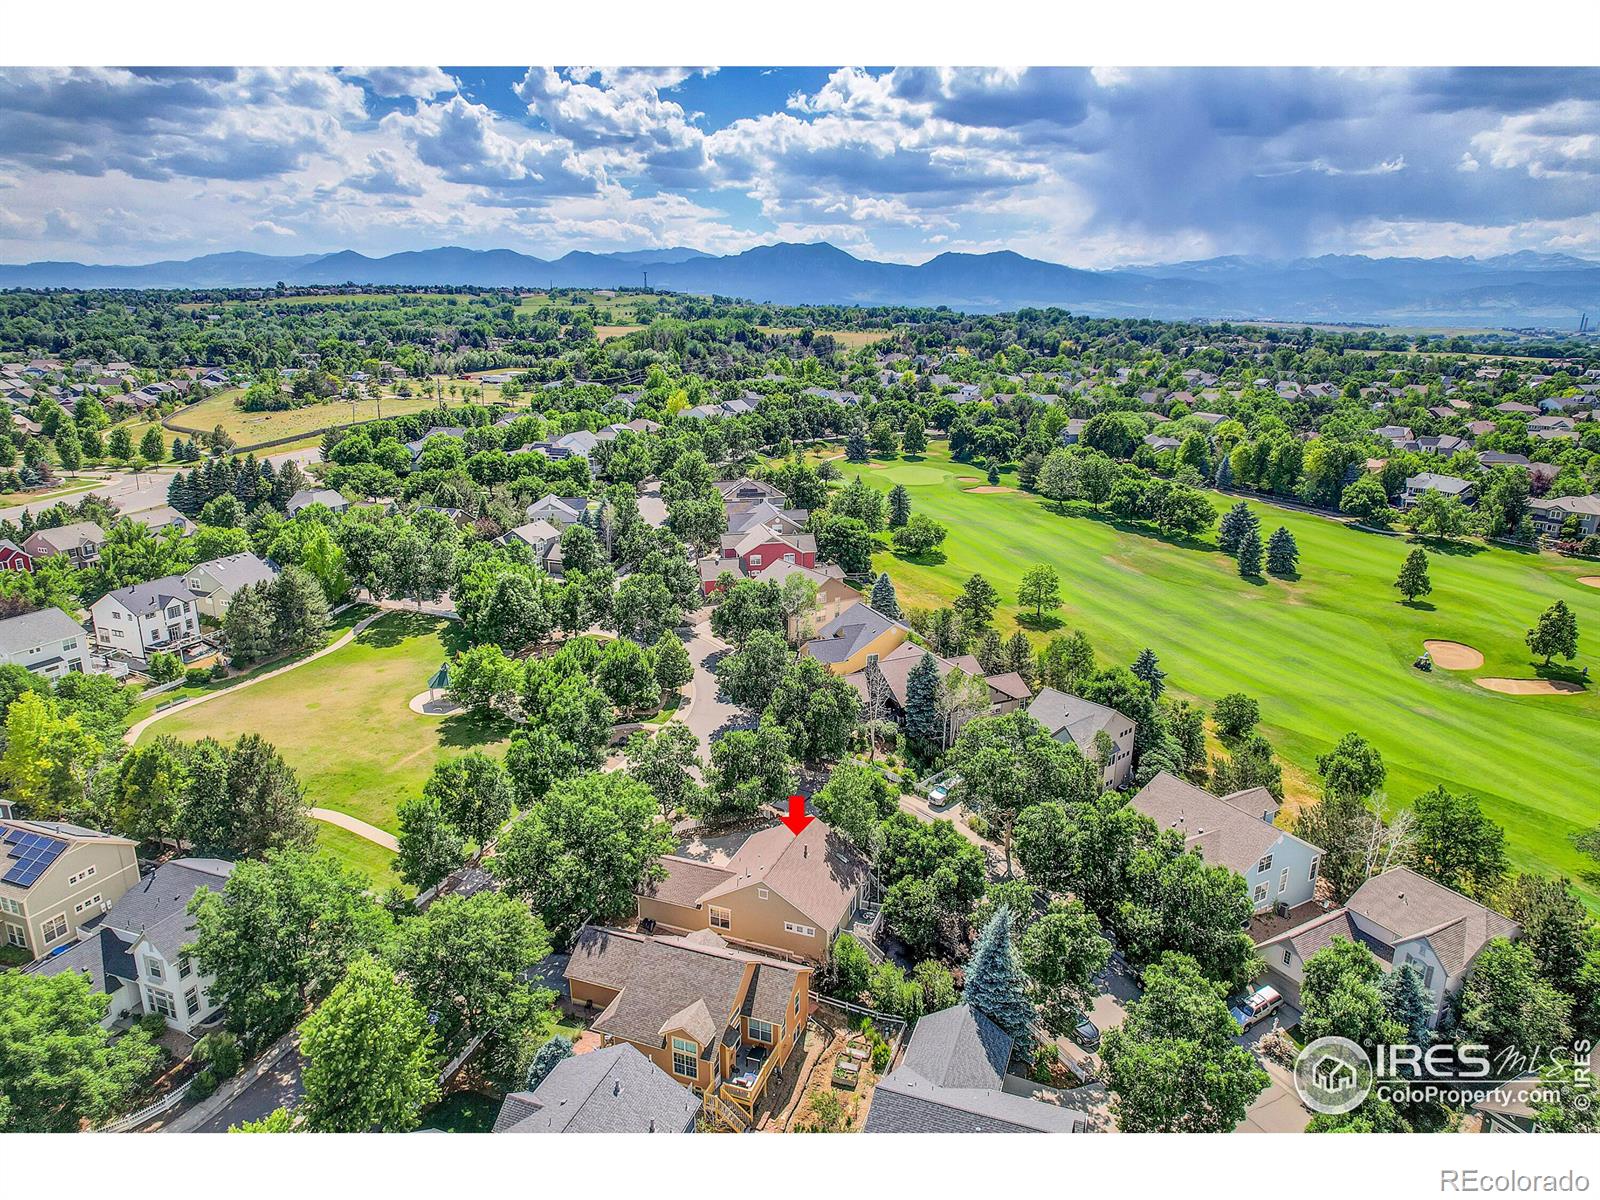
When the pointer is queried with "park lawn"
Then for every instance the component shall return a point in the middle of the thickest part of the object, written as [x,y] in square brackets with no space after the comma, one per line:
[1328,653]
[70,485]
[253,428]
[368,858]
[344,723]
[850,339]
[630,309]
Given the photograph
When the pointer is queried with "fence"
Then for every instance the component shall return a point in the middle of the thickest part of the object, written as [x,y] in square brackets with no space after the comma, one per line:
[150,1111]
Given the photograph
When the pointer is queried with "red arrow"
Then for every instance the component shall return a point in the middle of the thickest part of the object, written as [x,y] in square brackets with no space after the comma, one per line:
[797,819]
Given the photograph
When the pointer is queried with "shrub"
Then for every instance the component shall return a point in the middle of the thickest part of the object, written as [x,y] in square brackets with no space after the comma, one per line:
[205,1082]
[220,1053]
[153,1023]
[164,667]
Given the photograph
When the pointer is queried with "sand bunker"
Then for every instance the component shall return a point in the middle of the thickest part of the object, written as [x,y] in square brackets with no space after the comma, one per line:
[1530,687]
[1453,656]
[1590,580]
[986,489]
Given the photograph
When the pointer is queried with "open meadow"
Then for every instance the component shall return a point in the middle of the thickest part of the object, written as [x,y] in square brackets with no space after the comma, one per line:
[256,428]
[1324,654]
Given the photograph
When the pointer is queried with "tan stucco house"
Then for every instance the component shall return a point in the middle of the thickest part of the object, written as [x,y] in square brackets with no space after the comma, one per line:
[56,878]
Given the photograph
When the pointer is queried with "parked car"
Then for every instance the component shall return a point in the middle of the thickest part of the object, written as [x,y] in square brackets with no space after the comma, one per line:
[941,791]
[1086,1033]
[1255,1006]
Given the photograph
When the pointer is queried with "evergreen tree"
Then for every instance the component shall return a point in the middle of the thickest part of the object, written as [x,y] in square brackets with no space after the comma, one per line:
[672,664]
[996,984]
[1224,475]
[1556,633]
[994,473]
[922,703]
[899,506]
[856,445]
[546,1058]
[1250,554]
[1409,1002]
[1233,526]
[299,609]
[1413,579]
[1283,556]
[1148,668]
[883,598]
[1019,654]
[249,623]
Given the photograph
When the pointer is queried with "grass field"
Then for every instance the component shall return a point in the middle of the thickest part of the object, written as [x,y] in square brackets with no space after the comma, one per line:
[344,724]
[70,485]
[1327,653]
[850,339]
[625,309]
[253,428]
[335,298]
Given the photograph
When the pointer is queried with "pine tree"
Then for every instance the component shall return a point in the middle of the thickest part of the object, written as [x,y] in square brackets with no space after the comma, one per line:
[1231,529]
[994,473]
[995,983]
[1224,475]
[922,703]
[177,492]
[1413,579]
[1148,668]
[899,506]
[1250,554]
[991,653]
[1409,1002]
[1019,655]
[1283,556]
[883,598]
[856,445]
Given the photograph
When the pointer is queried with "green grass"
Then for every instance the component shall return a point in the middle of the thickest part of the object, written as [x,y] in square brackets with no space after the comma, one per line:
[1324,654]
[463,1112]
[369,858]
[253,428]
[69,486]
[343,721]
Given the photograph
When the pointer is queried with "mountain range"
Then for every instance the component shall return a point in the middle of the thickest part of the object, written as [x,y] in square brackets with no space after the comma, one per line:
[1515,290]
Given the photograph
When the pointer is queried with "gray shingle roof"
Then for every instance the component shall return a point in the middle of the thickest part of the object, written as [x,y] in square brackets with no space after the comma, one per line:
[235,571]
[614,1090]
[852,630]
[1410,905]
[101,955]
[1224,833]
[142,598]
[18,635]
[1080,719]
[157,906]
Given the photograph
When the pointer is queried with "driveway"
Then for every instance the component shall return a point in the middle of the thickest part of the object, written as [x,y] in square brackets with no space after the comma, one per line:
[707,714]
[280,1087]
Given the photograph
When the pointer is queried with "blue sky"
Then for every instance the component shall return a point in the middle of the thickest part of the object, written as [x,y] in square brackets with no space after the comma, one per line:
[1091,167]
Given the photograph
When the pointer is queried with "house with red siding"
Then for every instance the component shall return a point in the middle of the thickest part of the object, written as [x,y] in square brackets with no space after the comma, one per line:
[13,557]
[754,550]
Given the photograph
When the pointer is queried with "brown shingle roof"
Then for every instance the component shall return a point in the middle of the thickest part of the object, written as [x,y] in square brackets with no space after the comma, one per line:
[818,872]
[1223,833]
[686,881]
[1410,905]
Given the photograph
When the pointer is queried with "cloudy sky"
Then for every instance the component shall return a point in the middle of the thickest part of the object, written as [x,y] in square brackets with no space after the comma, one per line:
[1087,167]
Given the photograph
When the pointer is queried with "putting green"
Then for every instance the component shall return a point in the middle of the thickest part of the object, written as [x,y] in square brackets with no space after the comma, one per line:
[913,474]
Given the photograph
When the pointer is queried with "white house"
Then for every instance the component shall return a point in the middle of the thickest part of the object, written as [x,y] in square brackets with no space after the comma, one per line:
[560,511]
[135,954]
[215,583]
[306,497]
[139,620]
[1237,831]
[1073,719]
[48,642]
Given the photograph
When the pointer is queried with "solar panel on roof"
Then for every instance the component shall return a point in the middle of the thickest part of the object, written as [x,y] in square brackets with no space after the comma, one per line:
[32,854]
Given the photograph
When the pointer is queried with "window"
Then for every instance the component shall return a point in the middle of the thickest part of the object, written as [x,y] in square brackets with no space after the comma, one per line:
[1264,865]
[761,893]
[1260,892]
[161,1002]
[721,918]
[74,880]
[191,1001]
[7,904]
[70,644]
[55,928]
[797,1004]
[1283,881]
[1288,956]
[802,930]
[760,1031]
[183,966]
[152,968]
[91,902]
[685,1058]
[788,558]
[1316,864]
[17,936]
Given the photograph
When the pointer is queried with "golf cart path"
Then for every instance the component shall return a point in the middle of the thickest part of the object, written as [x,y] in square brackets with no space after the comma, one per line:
[380,837]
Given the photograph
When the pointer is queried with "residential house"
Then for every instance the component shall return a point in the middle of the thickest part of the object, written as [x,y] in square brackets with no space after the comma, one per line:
[1237,831]
[1159,442]
[834,595]
[540,536]
[1395,435]
[1550,514]
[888,679]
[1072,431]
[306,497]
[780,893]
[80,542]
[744,516]
[165,517]
[13,557]
[139,620]
[955,1078]
[1496,458]
[56,878]
[760,547]
[1514,406]
[858,635]
[416,447]
[1403,918]
[215,583]
[1073,719]
[746,491]
[1446,485]
[716,1019]
[1443,445]
[560,511]
[612,1090]
[47,642]
[136,953]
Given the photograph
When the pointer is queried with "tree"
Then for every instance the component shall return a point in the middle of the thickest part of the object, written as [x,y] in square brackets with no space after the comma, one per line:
[466,958]
[1408,1000]
[1235,523]
[299,609]
[1040,588]
[853,801]
[845,541]
[672,664]
[1159,898]
[1352,768]
[1175,1065]
[1063,952]
[1252,764]
[915,439]
[923,724]
[883,599]
[856,445]
[1558,929]
[664,762]
[582,852]
[751,673]
[977,602]
[900,502]
[850,966]
[267,804]
[996,984]
[745,608]
[430,845]
[1283,555]
[249,623]
[1413,579]
[749,768]
[370,1057]
[1250,554]
[1455,844]
[1342,996]
[1506,1005]
[473,793]
[1147,669]
[1235,715]
[279,1120]
[921,534]
[151,786]
[151,445]
[278,937]
[817,709]
[628,677]
[1556,633]
[59,1068]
